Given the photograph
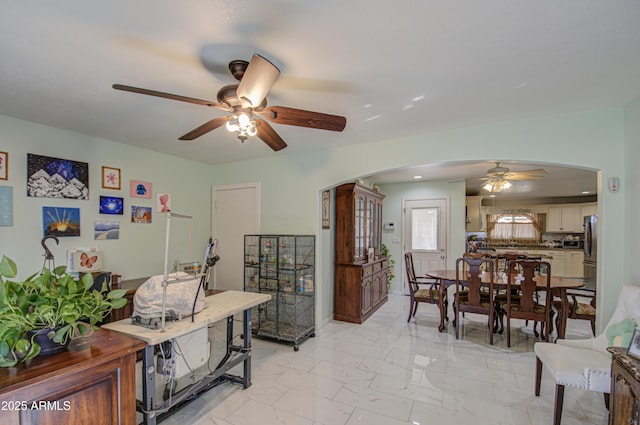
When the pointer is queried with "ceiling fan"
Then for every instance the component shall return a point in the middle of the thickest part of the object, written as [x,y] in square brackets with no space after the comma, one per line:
[498,177]
[247,101]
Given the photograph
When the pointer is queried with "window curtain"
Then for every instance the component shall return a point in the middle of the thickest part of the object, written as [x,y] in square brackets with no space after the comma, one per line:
[503,227]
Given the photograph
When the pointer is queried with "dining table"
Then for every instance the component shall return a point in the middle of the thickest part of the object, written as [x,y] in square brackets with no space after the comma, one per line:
[559,286]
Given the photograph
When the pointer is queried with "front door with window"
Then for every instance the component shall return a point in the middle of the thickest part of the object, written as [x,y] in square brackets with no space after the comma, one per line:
[425,235]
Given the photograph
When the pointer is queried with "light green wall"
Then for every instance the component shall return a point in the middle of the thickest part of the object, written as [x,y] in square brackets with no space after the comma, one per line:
[291,185]
[140,250]
[632,191]
[396,194]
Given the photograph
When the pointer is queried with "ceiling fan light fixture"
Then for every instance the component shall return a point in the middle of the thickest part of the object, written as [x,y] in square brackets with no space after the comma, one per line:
[243,124]
[497,185]
[232,125]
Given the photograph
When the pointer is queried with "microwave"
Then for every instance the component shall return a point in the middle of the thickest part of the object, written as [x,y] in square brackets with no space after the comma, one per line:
[572,244]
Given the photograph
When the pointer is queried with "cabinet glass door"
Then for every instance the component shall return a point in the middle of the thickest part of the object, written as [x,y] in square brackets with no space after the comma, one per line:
[360,242]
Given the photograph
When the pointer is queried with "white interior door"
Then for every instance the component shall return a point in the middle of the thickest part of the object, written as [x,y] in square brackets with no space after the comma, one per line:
[235,212]
[425,235]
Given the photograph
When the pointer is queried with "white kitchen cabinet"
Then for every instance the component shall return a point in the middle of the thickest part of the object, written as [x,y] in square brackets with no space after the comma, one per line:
[573,264]
[558,260]
[564,219]
[592,210]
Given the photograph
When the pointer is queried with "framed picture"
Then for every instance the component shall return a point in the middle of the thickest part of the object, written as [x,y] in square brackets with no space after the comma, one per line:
[111,205]
[4,166]
[110,178]
[140,214]
[139,189]
[103,230]
[634,346]
[6,206]
[326,212]
[61,222]
[49,177]
[164,202]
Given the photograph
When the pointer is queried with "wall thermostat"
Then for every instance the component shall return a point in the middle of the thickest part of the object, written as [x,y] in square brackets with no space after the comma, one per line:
[389,226]
[614,184]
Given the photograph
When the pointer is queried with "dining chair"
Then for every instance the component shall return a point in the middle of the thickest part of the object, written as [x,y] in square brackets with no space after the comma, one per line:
[578,309]
[470,296]
[101,282]
[430,295]
[584,363]
[521,277]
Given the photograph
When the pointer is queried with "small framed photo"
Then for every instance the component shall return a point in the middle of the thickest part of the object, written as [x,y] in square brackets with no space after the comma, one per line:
[326,209]
[111,205]
[139,189]
[110,178]
[4,166]
[634,346]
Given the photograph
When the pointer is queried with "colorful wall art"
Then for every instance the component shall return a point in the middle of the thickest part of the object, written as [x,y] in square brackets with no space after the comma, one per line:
[164,202]
[140,189]
[103,230]
[84,260]
[6,206]
[111,205]
[110,178]
[4,166]
[61,222]
[140,214]
[57,178]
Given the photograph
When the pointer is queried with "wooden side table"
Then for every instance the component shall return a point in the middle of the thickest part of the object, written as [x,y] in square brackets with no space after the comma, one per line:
[625,388]
[93,382]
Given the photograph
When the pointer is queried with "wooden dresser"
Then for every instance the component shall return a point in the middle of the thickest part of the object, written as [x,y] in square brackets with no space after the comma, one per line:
[360,278]
[624,404]
[93,382]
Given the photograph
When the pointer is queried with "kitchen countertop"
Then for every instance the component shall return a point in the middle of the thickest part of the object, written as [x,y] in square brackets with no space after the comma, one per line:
[532,248]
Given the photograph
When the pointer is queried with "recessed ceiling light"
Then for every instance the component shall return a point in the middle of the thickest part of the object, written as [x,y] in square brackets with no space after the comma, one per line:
[585,192]
[417,177]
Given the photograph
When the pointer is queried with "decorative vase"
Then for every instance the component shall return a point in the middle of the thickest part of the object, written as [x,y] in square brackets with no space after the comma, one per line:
[44,338]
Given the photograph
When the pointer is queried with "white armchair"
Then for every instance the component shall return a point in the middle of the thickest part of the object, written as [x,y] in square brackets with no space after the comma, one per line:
[584,363]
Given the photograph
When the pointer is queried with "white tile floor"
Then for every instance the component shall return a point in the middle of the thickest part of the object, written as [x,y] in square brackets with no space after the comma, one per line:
[390,372]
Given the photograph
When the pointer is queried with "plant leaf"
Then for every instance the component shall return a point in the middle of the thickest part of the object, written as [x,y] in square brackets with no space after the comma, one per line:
[72,287]
[119,303]
[87,281]
[62,334]
[8,268]
[116,293]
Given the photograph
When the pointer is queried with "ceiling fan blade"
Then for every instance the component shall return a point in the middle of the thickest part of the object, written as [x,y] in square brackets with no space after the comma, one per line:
[170,96]
[268,135]
[257,80]
[523,177]
[301,118]
[538,171]
[205,128]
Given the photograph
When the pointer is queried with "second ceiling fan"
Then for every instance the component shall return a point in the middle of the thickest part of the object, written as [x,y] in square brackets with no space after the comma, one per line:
[247,101]
[497,179]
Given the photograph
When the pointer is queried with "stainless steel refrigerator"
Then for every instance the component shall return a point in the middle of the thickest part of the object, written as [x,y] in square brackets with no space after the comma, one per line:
[590,251]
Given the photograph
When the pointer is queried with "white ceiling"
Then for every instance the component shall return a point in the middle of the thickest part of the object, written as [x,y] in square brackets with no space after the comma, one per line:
[392,68]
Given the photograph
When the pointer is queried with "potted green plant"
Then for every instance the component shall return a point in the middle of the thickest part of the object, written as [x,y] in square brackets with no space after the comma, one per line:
[53,305]
[385,253]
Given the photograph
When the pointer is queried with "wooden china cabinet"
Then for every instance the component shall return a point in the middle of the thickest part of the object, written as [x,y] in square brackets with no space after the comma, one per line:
[361,271]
